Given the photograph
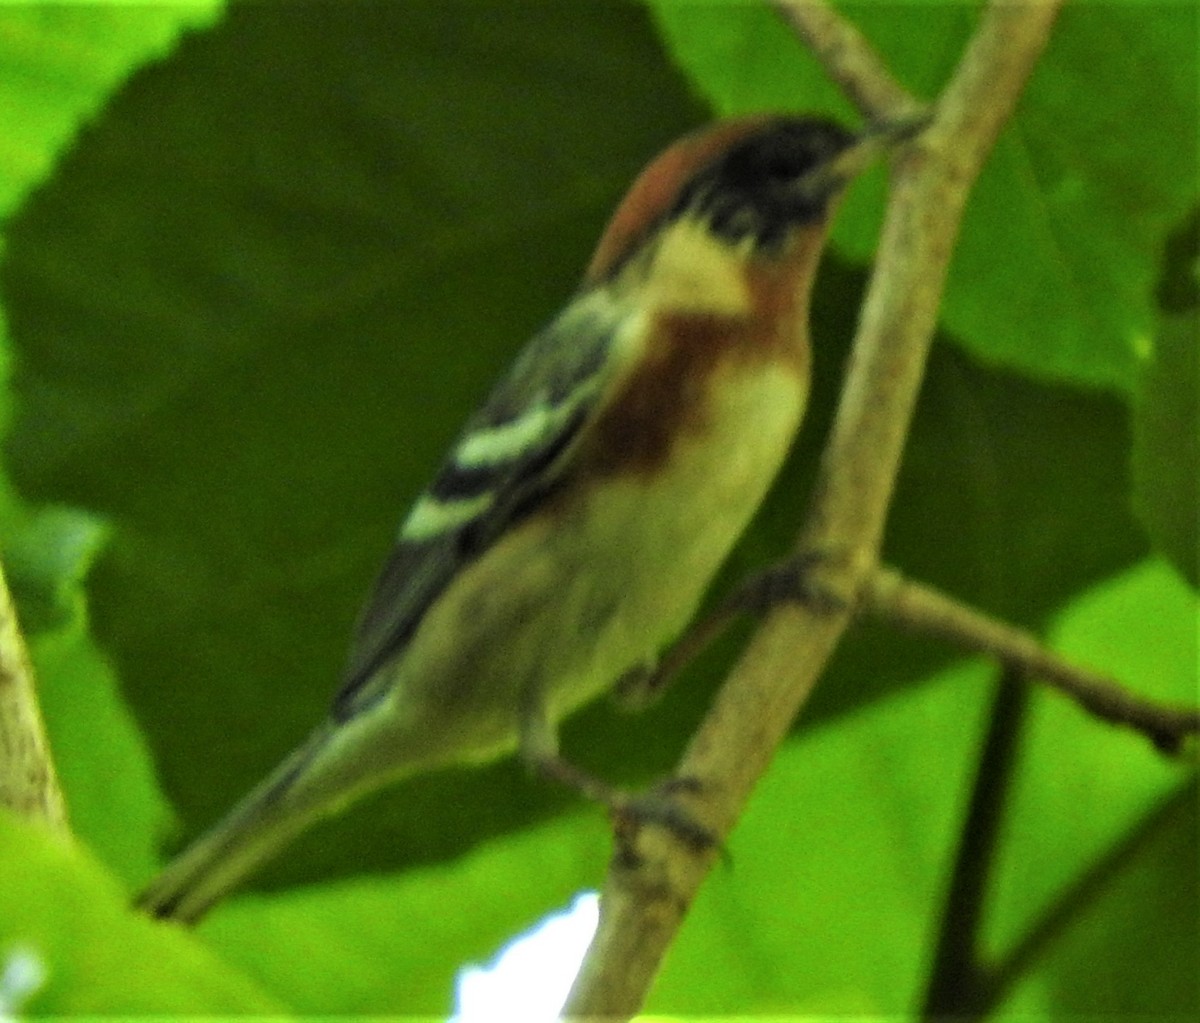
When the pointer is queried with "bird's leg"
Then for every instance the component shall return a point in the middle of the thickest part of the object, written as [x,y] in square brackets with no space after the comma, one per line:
[539,750]
[792,579]
[629,811]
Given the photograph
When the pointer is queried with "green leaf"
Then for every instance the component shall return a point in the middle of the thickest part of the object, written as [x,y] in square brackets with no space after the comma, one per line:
[60,62]
[1055,270]
[1166,452]
[256,302]
[1081,790]
[838,866]
[395,943]
[61,911]
[47,555]
[104,766]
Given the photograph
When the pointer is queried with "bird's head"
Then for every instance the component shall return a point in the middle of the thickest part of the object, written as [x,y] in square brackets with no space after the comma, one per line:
[750,181]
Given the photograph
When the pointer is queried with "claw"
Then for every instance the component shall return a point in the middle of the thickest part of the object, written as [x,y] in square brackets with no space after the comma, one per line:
[659,807]
[795,579]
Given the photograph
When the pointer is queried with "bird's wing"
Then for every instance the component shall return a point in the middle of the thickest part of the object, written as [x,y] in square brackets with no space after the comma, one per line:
[510,453]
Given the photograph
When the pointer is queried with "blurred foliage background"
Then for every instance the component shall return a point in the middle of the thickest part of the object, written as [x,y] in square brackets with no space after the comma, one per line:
[258,264]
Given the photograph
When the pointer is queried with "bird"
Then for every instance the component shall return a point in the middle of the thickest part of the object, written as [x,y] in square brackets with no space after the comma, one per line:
[579,518]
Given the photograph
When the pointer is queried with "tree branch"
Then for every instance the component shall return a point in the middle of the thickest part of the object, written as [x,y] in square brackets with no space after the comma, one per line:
[958,982]
[28,782]
[918,607]
[848,59]
[649,889]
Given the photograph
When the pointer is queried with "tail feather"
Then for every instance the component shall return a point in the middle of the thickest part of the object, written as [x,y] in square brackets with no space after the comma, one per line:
[268,818]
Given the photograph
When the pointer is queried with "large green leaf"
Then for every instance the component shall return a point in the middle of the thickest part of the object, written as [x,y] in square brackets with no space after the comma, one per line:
[837,869]
[394,943]
[58,65]
[1056,268]
[253,304]
[66,922]
[1166,453]
[103,764]
[1082,793]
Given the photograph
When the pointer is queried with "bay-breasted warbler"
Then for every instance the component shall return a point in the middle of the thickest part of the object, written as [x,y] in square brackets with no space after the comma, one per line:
[583,511]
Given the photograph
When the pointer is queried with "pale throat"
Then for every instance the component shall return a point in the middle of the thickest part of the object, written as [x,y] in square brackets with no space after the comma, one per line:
[691,271]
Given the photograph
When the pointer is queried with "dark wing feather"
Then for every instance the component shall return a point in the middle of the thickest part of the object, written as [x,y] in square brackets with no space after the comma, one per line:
[564,372]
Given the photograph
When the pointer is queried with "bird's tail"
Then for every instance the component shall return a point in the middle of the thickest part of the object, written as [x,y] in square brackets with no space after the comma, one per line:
[268,818]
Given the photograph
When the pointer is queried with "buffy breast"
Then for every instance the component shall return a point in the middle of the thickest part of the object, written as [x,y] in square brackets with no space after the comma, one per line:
[658,537]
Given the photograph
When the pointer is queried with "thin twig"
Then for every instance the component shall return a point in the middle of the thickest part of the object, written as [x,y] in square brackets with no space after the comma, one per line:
[647,894]
[999,979]
[958,984]
[923,609]
[847,58]
[917,607]
[28,782]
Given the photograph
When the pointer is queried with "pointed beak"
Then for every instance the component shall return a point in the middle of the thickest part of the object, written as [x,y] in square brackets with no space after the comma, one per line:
[872,143]
[876,140]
